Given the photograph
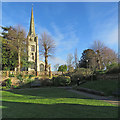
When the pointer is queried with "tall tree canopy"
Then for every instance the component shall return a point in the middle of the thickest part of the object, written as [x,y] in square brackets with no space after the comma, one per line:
[14,46]
[90,60]
[62,68]
[70,63]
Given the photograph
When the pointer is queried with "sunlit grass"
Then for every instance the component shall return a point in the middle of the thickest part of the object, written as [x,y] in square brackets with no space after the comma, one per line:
[11,97]
[53,103]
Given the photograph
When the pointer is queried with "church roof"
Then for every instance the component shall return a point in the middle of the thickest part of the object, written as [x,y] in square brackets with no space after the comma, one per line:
[32,27]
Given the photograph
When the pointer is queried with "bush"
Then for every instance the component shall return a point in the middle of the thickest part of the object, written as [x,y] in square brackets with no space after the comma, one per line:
[30,76]
[14,86]
[26,75]
[46,82]
[82,74]
[61,80]
[11,75]
[20,77]
[8,83]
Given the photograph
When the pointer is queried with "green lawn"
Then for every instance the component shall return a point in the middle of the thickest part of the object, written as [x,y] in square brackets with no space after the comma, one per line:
[106,86]
[53,103]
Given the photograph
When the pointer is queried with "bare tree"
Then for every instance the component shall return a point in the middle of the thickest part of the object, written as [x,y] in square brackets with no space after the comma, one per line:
[47,47]
[104,54]
[17,41]
[76,58]
[56,66]
[109,56]
[70,62]
[97,45]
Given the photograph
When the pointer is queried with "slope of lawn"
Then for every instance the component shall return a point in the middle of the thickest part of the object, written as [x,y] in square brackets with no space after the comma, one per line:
[53,103]
[106,86]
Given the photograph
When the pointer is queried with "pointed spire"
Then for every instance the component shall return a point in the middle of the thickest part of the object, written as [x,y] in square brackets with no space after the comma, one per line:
[32,27]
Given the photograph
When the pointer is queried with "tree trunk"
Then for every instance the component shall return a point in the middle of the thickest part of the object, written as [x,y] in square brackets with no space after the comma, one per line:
[46,64]
[19,60]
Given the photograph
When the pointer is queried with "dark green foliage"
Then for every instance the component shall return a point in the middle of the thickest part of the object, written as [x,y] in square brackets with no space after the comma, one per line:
[20,77]
[8,83]
[61,81]
[91,59]
[30,76]
[11,75]
[9,57]
[10,50]
[14,86]
[46,82]
[26,76]
[62,68]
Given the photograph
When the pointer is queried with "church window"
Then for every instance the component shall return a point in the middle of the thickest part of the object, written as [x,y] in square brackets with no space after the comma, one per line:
[32,57]
[32,48]
[41,67]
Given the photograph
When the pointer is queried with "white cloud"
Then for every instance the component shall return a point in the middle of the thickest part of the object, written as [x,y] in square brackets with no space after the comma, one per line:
[112,37]
[67,40]
[57,60]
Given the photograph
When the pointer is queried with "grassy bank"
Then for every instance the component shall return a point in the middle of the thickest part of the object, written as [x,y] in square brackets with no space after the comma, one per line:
[106,86]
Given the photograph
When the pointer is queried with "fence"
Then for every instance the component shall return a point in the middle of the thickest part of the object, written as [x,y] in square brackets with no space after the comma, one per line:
[7,73]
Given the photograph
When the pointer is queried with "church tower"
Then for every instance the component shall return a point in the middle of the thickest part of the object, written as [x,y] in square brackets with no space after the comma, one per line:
[33,47]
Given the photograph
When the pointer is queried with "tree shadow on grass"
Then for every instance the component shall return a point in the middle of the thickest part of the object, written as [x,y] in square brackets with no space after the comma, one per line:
[61,110]
[48,92]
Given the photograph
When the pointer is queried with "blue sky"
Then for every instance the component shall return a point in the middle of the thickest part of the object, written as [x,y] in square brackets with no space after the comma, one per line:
[72,25]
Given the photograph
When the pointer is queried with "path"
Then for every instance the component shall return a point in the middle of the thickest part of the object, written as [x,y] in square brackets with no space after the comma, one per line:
[97,97]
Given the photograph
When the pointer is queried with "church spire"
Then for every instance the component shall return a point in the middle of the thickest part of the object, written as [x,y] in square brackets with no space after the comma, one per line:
[32,27]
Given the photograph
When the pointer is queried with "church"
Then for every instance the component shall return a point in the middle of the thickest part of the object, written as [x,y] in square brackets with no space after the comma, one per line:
[33,48]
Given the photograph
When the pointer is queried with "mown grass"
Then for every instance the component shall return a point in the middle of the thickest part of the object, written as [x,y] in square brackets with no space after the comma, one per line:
[53,103]
[106,86]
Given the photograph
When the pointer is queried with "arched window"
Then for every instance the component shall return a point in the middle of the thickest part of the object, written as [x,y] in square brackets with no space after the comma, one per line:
[32,48]
[41,67]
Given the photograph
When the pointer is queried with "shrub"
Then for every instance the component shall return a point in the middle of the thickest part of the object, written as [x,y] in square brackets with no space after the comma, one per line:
[30,76]
[26,75]
[8,83]
[20,77]
[61,80]
[46,82]
[82,74]
[14,86]
[11,75]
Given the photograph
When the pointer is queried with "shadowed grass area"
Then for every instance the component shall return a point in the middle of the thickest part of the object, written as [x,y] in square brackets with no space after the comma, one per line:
[106,86]
[53,103]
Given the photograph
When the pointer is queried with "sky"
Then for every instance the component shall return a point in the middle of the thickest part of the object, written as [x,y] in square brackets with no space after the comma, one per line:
[72,25]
